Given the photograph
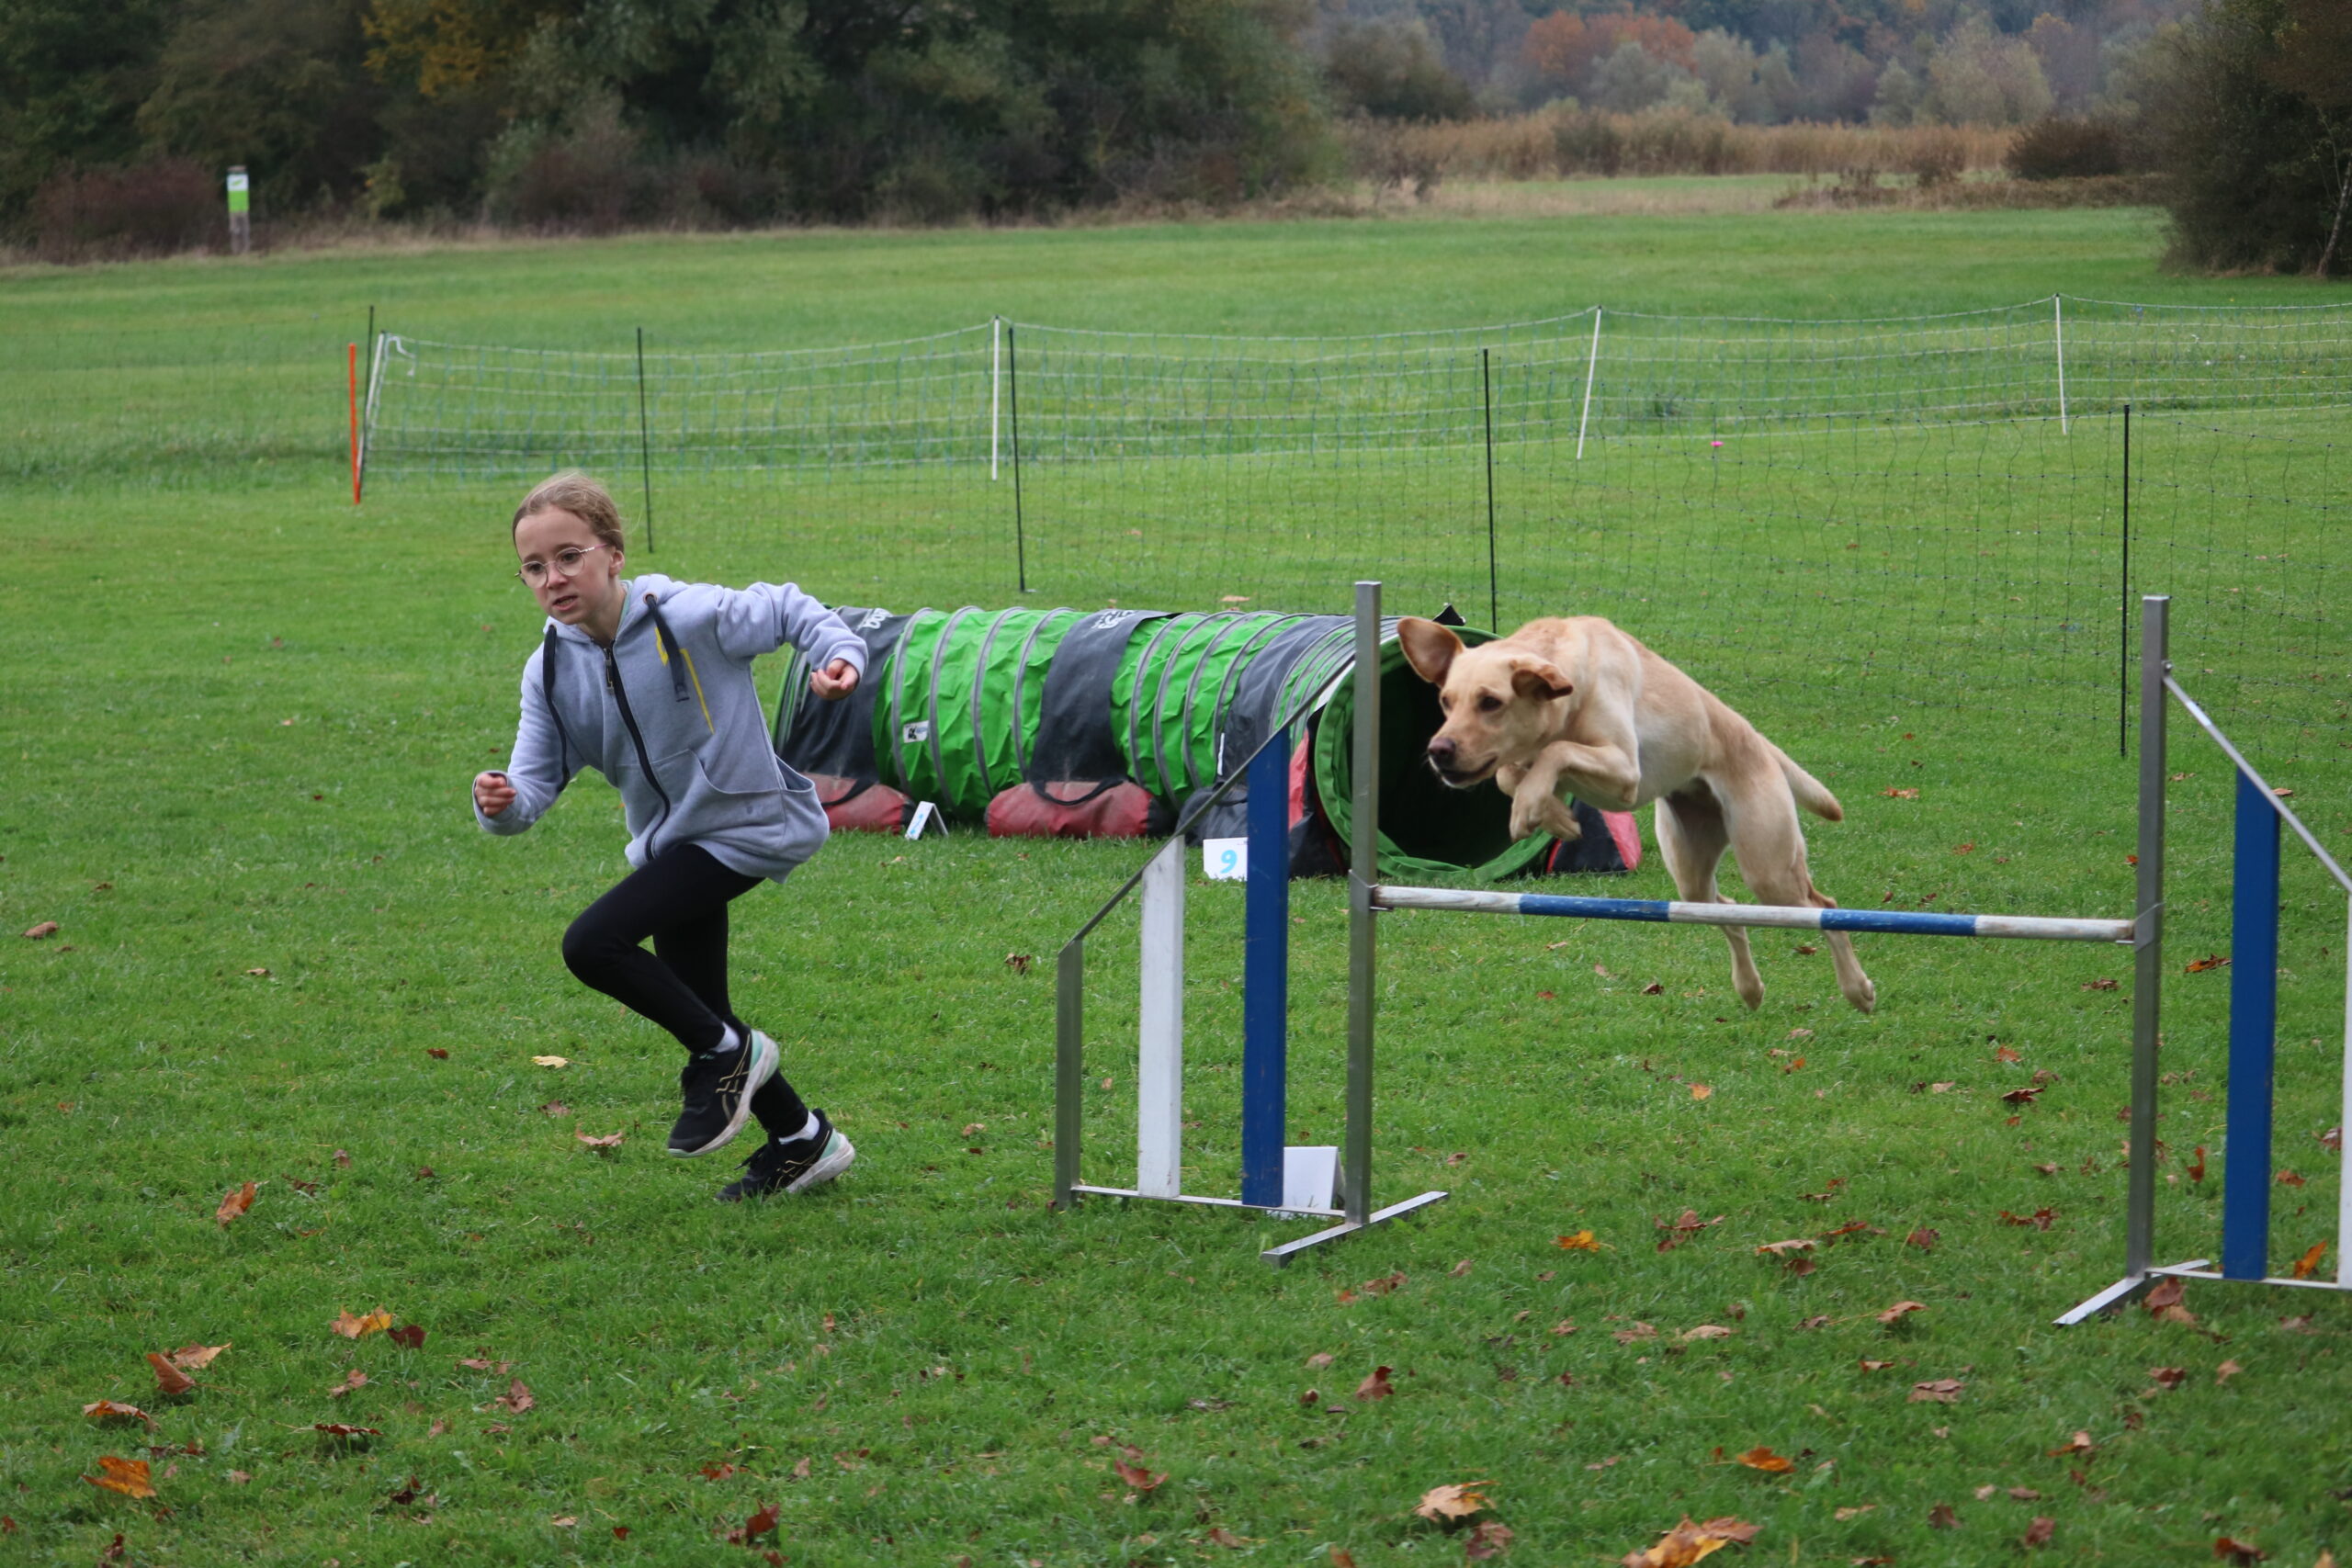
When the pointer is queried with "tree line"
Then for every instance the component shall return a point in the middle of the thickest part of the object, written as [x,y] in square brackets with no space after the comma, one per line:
[117,122]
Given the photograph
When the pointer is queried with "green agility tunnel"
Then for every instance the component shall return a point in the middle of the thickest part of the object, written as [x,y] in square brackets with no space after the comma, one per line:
[1084,723]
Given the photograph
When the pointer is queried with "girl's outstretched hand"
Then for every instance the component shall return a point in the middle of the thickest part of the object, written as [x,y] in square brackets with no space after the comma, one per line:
[492,793]
[835,681]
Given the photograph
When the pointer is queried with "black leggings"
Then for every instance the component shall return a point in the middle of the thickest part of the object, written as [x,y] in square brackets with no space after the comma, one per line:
[680,900]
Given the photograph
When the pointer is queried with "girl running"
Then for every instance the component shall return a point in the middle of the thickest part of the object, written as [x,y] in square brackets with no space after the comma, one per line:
[649,681]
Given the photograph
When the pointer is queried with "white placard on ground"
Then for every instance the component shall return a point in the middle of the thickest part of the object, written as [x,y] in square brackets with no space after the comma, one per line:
[926,816]
[1225,860]
[1310,1179]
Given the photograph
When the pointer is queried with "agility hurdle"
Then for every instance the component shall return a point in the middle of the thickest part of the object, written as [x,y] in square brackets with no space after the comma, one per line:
[2254,1005]
[1276,1179]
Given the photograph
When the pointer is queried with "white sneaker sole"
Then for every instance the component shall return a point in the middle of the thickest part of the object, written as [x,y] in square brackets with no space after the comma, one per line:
[764,1057]
[839,1153]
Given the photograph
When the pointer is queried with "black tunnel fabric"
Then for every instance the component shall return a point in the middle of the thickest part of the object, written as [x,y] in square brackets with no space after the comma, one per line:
[1076,739]
[836,739]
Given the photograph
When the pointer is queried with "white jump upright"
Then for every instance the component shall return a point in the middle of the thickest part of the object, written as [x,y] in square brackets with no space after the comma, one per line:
[1160,1071]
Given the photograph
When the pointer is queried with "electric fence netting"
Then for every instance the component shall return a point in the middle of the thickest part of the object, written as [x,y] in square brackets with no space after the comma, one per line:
[1941,511]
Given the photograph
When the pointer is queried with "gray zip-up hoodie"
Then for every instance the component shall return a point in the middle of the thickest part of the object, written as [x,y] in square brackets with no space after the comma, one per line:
[670,715]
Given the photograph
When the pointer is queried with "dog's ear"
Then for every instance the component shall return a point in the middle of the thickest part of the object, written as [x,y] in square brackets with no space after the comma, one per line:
[1428,648]
[1538,678]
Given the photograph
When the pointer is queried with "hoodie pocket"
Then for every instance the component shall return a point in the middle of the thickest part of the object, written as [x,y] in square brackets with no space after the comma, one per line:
[716,806]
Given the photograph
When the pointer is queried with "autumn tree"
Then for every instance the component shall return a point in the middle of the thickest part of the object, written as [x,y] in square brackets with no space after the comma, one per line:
[2250,121]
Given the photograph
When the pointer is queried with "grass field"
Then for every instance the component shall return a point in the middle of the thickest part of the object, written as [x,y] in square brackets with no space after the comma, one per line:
[242,715]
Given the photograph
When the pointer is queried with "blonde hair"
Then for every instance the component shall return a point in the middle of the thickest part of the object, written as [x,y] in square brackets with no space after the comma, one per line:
[584,497]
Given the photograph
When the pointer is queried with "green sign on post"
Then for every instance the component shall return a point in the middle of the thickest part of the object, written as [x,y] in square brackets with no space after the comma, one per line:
[240,231]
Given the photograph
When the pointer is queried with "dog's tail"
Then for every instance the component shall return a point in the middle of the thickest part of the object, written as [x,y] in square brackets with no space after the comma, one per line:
[1810,792]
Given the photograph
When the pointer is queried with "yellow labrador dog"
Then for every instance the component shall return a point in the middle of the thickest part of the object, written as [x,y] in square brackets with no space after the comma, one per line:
[1578,707]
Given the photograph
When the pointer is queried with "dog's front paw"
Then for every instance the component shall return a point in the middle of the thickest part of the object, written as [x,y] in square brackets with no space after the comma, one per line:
[1560,821]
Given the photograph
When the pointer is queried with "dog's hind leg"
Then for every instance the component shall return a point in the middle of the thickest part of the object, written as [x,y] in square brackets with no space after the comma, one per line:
[1769,847]
[1692,835]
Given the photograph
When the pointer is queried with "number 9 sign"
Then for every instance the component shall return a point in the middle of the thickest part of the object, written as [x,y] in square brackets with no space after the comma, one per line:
[1225,860]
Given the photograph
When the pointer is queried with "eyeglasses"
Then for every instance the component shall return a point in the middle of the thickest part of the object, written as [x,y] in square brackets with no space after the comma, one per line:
[567,561]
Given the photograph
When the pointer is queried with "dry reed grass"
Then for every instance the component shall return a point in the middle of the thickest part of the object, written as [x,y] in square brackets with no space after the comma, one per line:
[1550,144]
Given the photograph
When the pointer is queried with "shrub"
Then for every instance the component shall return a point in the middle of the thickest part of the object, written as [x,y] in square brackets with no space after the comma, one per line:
[2060,148]
[154,207]
[1392,73]
[1937,157]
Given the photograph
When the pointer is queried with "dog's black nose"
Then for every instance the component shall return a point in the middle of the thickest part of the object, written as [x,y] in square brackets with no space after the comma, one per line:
[1441,751]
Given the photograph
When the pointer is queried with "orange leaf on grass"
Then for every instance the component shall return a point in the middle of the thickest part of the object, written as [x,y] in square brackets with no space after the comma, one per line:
[436,1052]
[108,1410]
[2289,1179]
[2226,1370]
[2080,1443]
[2197,1165]
[1453,1500]
[1580,1242]
[1701,1091]
[1376,1386]
[239,1200]
[1764,1459]
[351,1380]
[193,1358]
[1923,1238]
[2308,1264]
[2165,1303]
[2243,1553]
[2003,1054]
[2211,960]
[128,1476]
[352,1327]
[1688,1542]
[169,1379]
[2169,1377]
[1220,1536]
[1900,1310]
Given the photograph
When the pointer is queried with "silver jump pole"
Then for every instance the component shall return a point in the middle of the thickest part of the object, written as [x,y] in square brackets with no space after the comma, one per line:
[2147,970]
[1363,871]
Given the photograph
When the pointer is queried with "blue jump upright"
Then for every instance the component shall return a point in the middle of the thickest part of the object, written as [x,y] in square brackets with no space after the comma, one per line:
[2254,1031]
[1265,977]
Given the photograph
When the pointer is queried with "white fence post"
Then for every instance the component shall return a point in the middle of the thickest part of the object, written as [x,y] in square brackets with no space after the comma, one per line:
[1159,1060]
[2058,326]
[1591,363]
[996,385]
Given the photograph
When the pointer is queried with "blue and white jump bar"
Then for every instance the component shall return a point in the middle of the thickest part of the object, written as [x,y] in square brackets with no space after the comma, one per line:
[1901,922]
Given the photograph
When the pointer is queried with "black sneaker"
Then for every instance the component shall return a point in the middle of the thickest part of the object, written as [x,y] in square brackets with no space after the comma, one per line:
[776,1166]
[718,1091]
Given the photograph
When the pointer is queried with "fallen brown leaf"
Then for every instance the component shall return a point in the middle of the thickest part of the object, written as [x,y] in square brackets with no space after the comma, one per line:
[2243,1553]
[128,1476]
[1220,1536]
[517,1398]
[2308,1264]
[1938,1390]
[2169,1377]
[2080,1443]
[761,1523]
[1900,1310]
[1019,962]
[1688,1542]
[1871,1366]
[239,1200]
[1460,1271]
[1923,1238]
[1943,1516]
[603,1143]
[2102,984]
[169,1379]
[1137,1476]
[2164,1301]
[1580,1242]
[46,928]
[1453,1500]
[408,1337]
[1707,1331]
[2226,1370]
[1764,1459]
[352,1327]
[108,1410]
[1701,1091]
[1490,1537]
[2038,1532]
[1320,1360]
[1375,1386]
[1639,1331]
[352,1380]
[193,1358]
